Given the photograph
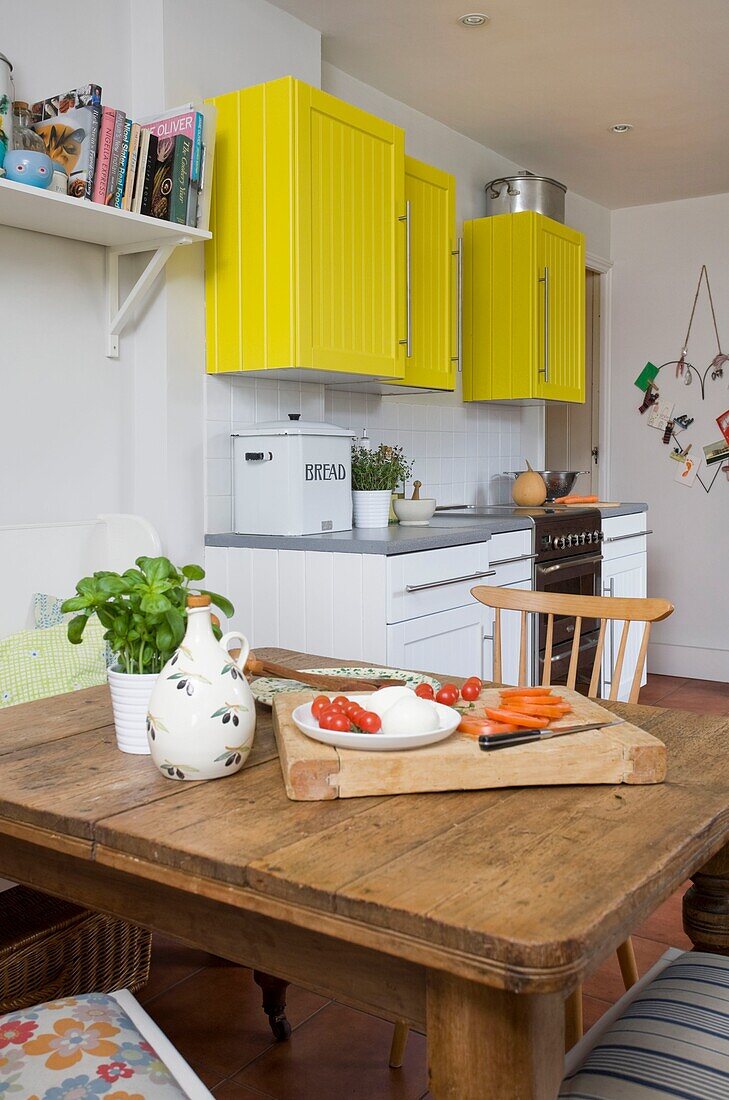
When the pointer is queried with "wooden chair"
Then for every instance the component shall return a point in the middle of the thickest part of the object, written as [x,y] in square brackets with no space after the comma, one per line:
[581,608]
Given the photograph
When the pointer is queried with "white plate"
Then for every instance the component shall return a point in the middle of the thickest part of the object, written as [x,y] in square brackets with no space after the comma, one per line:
[376,742]
[265,687]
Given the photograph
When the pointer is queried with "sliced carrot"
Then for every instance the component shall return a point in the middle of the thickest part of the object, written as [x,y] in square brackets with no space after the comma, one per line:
[474,727]
[512,718]
[535,700]
[506,692]
[540,712]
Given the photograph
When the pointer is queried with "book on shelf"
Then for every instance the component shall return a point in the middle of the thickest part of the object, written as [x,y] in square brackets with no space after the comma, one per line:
[180,180]
[149,173]
[131,166]
[100,190]
[69,126]
[159,204]
[120,121]
[182,121]
[123,164]
[142,155]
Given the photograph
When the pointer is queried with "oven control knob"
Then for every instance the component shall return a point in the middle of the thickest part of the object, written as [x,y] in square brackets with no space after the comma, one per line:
[598,536]
[588,538]
[560,543]
[583,538]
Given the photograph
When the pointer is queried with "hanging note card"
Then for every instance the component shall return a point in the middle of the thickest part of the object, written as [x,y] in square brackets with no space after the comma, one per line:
[723,422]
[646,376]
[687,471]
[660,415]
[716,452]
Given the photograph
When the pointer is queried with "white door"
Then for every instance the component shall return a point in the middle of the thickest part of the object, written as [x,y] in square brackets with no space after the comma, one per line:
[450,642]
[510,641]
[626,577]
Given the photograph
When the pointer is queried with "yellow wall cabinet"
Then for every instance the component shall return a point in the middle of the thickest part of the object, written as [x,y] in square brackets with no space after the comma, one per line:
[432,331]
[523,309]
[304,270]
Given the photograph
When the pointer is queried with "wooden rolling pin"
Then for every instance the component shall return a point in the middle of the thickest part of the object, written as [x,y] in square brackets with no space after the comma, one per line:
[257,667]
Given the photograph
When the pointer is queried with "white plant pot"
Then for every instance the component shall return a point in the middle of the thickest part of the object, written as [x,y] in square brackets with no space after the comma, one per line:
[371,508]
[130,695]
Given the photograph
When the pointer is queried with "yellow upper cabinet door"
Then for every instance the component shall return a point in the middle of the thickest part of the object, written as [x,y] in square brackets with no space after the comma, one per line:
[430,196]
[304,269]
[523,309]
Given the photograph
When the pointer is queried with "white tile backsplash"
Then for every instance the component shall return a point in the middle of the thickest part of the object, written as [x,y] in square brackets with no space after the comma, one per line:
[459,451]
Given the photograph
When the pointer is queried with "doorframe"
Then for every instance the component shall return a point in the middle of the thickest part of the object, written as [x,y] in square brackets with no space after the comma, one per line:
[604,268]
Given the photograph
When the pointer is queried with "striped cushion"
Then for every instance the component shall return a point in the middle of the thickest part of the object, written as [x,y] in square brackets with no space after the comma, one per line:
[671,1041]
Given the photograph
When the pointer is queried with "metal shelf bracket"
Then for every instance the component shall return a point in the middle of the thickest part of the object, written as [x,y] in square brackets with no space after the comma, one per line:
[119,313]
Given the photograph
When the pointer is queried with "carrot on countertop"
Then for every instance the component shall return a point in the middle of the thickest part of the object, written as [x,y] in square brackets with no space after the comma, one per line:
[536,700]
[512,718]
[576,499]
[540,712]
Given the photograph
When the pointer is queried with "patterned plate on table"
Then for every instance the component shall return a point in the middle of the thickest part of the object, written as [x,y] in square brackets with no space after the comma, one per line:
[265,687]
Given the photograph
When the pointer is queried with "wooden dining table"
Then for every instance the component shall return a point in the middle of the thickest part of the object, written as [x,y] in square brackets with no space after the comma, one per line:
[470,915]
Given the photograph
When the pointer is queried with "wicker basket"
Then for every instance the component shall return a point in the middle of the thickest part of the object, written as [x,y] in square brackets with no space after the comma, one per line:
[50,949]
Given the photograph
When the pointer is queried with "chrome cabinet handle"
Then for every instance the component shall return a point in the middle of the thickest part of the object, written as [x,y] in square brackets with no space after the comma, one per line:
[408,341]
[510,561]
[545,369]
[458,253]
[450,580]
[635,535]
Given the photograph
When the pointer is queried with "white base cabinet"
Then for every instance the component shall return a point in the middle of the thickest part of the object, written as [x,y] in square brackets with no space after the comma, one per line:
[624,574]
[407,610]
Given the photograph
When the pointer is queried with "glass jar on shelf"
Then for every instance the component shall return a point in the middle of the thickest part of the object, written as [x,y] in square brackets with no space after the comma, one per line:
[23,136]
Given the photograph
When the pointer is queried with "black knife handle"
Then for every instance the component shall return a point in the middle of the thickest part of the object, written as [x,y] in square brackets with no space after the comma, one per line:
[489,742]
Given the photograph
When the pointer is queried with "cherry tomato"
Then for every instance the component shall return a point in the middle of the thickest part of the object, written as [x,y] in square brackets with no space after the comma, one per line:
[369,722]
[425,691]
[352,708]
[470,691]
[319,705]
[447,695]
[474,680]
[335,720]
[342,702]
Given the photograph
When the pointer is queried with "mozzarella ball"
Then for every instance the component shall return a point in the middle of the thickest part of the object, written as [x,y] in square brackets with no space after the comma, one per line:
[411,715]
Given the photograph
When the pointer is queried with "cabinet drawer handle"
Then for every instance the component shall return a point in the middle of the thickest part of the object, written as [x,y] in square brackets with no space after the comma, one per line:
[510,561]
[545,369]
[458,253]
[408,341]
[450,580]
[635,535]
[259,456]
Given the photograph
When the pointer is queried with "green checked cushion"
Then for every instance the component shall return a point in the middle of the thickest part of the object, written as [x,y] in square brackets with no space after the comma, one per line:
[671,1041]
[38,663]
[80,1048]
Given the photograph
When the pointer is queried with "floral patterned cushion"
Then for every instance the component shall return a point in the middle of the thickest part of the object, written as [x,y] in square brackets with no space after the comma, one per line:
[80,1048]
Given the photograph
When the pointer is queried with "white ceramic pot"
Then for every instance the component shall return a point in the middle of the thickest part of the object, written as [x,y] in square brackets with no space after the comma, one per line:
[202,716]
[371,508]
[130,695]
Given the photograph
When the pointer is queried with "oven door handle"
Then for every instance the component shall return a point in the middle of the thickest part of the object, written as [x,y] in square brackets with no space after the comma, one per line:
[581,649]
[567,562]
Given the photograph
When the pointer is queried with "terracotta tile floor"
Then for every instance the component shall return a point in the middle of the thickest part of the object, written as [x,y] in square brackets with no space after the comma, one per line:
[211,1010]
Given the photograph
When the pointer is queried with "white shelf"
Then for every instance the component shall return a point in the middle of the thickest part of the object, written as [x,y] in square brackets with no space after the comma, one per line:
[23,207]
[120,232]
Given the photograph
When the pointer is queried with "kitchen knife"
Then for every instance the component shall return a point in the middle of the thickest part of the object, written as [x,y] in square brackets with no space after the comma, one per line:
[490,741]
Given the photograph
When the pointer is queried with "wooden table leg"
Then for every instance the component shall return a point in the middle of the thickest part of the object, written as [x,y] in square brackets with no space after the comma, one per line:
[706,906]
[485,1043]
[274,1003]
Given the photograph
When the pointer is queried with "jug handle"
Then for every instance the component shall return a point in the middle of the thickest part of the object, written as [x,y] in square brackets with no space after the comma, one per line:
[240,660]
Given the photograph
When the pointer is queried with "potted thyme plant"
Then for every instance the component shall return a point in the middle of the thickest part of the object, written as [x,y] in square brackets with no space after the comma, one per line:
[375,476]
[143,613]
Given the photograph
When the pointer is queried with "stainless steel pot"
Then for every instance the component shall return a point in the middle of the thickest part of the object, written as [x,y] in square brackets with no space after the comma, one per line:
[512,194]
[559,483]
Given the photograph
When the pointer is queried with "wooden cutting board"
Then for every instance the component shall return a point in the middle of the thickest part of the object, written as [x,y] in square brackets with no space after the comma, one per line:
[620,754]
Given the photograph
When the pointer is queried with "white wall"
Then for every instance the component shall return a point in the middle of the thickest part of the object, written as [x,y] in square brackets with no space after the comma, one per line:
[658,252]
[65,409]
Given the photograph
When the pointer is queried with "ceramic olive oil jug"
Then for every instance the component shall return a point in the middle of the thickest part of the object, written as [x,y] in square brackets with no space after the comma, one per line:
[202,716]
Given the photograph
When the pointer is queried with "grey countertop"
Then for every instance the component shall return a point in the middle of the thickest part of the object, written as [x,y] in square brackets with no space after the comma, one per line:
[444,530]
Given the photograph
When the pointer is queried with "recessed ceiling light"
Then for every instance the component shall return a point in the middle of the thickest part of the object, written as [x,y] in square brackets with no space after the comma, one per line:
[621,127]
[473,19]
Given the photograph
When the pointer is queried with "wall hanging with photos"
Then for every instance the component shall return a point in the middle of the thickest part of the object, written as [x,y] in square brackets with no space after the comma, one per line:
[661,413]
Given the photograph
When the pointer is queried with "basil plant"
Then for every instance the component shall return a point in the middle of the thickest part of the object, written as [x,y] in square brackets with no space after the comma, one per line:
[142,610]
